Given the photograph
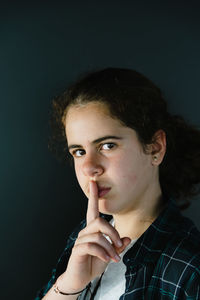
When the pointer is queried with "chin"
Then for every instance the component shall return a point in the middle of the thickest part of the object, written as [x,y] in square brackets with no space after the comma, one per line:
[105,208]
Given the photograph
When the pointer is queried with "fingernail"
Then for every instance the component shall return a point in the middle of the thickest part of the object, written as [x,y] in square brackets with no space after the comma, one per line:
[107,257]
[119,243]
[117,257]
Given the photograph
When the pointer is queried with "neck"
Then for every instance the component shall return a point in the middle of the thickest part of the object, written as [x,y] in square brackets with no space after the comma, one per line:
[134,222]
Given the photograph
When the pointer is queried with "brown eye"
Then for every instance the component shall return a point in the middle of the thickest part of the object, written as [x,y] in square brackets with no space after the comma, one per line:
[107,146]
[78,152]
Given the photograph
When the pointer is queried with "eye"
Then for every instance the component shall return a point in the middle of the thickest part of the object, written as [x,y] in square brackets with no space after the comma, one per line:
[81,152]
[78,152]
[107,146]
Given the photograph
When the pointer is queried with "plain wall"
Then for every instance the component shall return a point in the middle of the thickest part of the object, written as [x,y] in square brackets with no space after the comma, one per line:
[43,48]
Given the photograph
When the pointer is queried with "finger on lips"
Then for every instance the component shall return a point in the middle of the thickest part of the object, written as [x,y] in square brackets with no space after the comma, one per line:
[93,209]
[98,230]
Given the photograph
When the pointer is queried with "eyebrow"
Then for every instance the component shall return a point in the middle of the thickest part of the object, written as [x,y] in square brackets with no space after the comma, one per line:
[103,138]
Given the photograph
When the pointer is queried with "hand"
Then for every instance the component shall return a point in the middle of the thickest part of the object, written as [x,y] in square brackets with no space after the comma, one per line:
[92,251]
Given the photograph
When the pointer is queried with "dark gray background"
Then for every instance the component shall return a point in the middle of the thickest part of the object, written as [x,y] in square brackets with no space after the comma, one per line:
[43,48]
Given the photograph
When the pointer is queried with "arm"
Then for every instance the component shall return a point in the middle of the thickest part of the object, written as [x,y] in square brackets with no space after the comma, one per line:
[61,283]
[90,254]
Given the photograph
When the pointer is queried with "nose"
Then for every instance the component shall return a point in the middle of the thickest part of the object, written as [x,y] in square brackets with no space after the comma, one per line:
[92,165]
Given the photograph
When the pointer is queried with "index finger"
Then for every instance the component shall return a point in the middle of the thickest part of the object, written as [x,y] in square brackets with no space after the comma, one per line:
[92,209]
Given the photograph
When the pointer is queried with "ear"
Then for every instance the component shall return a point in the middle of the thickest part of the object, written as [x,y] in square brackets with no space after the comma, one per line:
[158,147]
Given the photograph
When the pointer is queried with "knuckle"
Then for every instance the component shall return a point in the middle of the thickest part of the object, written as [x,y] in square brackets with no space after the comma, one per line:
[74,249]
[76,243]
[98,236]
[79,235]
[100,221]
[88,246]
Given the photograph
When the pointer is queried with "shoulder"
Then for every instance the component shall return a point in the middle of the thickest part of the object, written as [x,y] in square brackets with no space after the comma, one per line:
[187,237]
[178,267]
[182,252]
[183,238]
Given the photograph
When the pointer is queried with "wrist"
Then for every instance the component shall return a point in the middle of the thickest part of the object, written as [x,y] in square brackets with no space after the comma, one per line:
[58,291]
[64,286]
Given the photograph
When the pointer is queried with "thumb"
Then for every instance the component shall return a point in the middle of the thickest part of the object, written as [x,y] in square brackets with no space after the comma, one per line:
[125,241]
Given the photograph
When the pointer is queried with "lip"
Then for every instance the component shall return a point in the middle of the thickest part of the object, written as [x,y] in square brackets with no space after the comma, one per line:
[103,191]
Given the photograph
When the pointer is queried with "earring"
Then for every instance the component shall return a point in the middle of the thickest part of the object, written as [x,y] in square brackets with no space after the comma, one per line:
[155,158]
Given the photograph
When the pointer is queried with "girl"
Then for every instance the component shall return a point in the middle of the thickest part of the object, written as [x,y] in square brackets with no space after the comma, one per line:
[135,162]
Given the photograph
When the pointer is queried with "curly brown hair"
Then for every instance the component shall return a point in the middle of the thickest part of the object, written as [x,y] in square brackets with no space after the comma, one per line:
[138,103]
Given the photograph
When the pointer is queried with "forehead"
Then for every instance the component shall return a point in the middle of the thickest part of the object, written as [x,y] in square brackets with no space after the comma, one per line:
[90,119]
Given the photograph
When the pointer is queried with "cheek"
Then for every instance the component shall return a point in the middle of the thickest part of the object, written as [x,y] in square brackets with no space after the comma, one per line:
[138,172]
[125,170]
[129,176]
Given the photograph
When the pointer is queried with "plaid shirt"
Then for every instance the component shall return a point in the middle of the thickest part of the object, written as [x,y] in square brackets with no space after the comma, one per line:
[164,263]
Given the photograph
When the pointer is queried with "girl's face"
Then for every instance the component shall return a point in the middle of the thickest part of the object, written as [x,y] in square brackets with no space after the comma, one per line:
[111,154]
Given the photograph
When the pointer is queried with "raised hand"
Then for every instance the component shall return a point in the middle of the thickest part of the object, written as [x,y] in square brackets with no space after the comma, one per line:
[92,251]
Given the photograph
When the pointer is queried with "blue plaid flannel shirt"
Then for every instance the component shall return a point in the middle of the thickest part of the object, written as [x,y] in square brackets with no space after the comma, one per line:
[164,263]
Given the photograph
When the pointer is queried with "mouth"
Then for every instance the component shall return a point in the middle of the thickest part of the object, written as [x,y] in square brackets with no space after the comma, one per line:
[103,191]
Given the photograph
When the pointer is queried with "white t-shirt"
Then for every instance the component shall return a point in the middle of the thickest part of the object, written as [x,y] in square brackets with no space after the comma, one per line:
[113,281]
